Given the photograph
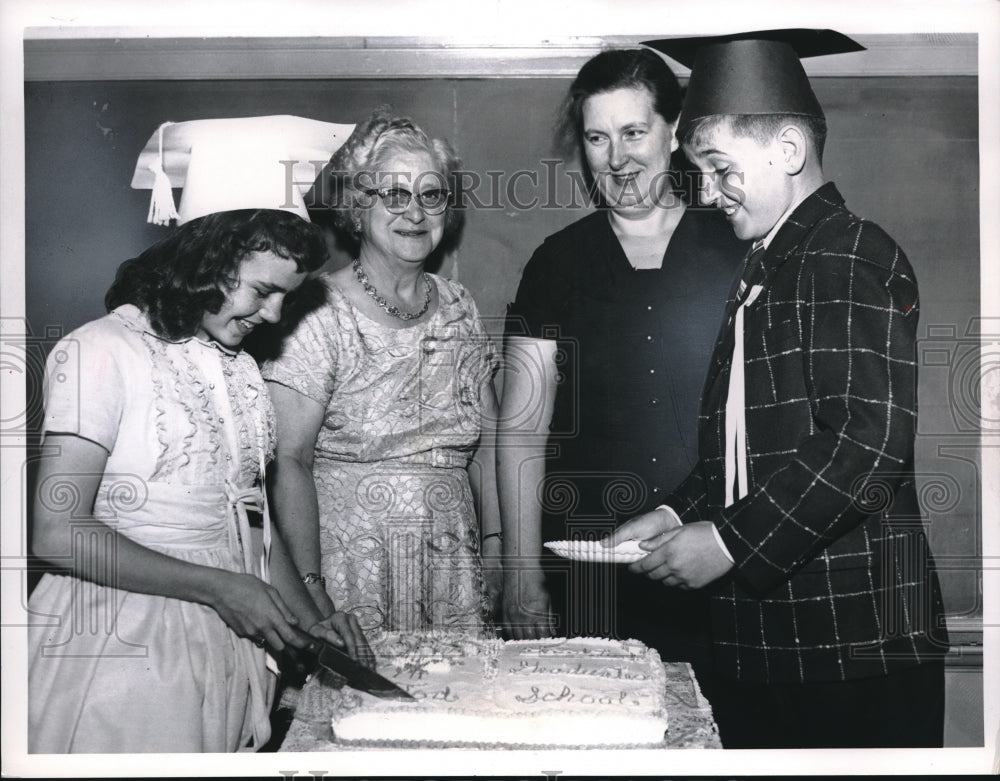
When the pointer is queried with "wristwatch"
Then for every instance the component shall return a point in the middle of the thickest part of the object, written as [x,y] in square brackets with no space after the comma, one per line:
[314,577]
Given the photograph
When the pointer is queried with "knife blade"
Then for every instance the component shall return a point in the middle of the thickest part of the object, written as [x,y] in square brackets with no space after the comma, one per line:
[331,658]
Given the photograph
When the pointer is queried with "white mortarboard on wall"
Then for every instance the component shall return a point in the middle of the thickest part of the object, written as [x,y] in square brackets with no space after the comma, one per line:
[242,163]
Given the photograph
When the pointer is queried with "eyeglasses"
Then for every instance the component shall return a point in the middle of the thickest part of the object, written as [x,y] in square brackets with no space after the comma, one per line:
[397,200]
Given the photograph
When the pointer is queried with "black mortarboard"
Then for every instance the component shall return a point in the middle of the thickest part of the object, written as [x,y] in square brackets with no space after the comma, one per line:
[751,73]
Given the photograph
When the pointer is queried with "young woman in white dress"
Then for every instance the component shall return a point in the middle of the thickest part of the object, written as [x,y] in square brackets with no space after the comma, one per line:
[151,632]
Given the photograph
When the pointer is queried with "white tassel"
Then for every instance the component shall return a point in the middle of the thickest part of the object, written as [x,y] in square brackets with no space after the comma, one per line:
[161,203]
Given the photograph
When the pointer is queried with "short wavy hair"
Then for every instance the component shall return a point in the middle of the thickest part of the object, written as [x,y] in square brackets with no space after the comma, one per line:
[762,128]
[362,159]
[186,275]
[615,69]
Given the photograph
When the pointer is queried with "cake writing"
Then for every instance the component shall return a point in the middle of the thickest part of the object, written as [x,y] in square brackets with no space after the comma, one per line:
[566,694]
[616,673]
[418,668]
[439,695]
[572,650]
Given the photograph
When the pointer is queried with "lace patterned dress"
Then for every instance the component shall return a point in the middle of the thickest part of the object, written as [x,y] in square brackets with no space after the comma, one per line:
[398,530]
[188,427]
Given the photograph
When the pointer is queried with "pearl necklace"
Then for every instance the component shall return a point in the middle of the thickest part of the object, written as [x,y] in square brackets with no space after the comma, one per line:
[359,272]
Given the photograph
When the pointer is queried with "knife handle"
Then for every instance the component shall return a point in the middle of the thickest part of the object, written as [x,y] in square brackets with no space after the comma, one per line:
[297,663]
[314,645]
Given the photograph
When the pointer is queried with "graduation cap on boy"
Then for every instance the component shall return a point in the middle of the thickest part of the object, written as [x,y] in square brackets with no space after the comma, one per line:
[267,162]
[756,72]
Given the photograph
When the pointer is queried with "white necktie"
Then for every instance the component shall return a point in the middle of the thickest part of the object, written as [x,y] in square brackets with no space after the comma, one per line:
[736,416]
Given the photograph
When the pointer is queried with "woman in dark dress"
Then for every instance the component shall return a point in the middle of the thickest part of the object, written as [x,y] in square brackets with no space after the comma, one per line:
[607,346]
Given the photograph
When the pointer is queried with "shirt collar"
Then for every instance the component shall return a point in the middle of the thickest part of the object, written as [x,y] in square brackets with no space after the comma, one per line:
[138,320]
[766,241]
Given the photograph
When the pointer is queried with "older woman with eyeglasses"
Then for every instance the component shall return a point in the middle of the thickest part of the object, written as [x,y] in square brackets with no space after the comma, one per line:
[381,394]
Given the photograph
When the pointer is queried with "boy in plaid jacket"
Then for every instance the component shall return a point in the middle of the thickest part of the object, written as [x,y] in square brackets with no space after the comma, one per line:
[802,515]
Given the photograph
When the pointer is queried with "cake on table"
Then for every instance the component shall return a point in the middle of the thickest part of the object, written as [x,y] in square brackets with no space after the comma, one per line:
[470,691]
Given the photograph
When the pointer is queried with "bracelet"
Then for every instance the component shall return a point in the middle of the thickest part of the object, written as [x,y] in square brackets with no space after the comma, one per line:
[498,535]
[314,577]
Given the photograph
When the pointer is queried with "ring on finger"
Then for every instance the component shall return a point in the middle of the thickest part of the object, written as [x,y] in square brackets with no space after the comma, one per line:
[258,641]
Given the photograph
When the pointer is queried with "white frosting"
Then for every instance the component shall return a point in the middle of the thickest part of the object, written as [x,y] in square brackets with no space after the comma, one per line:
[555,692]
[624,552]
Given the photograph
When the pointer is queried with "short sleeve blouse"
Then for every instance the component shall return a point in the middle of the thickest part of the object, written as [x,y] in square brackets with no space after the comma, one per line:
[634,345]
[164,410]
[387,392]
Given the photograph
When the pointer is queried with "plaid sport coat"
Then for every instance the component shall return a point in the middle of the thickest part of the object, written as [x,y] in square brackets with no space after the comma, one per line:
[833,578]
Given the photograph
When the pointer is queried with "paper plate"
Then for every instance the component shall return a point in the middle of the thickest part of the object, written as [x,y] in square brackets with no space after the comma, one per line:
[592,550]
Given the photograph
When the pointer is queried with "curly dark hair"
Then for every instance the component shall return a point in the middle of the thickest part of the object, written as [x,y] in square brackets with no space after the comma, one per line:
[362,159]
[182,277]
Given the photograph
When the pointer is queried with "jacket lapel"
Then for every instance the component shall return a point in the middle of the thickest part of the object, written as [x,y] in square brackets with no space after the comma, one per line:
[785,241]
[723,347]
[796,227]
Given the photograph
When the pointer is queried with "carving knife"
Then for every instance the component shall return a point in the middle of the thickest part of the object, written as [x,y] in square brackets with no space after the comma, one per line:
[331,658]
